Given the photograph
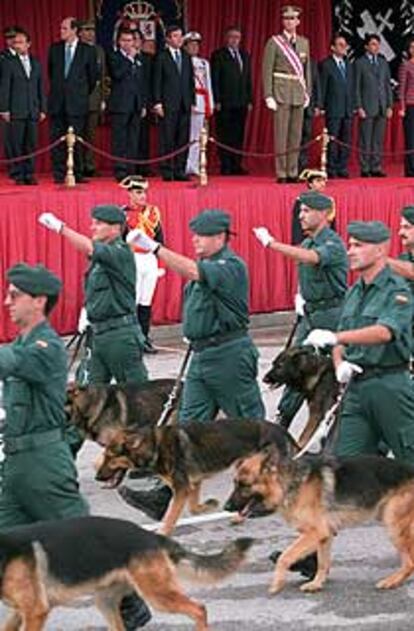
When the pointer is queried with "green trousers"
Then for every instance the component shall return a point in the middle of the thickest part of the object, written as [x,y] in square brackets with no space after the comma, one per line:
[40,484]
[223,378]
[379,409]
[291,399]
[118,354]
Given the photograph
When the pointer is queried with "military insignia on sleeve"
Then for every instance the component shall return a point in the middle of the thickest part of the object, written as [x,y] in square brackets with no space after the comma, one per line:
[41,344]
[401,299]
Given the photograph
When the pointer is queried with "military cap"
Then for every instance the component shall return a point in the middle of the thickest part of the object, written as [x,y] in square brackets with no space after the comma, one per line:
[192,36]
[134,182]
[369,231]
[290,11]
[87,25]
[109,213]
[308,175]
[35,280]
[408,213]
[210,221]
[316,201]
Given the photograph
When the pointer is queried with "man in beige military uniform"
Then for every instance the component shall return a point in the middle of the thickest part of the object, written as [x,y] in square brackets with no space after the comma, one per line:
[287,87]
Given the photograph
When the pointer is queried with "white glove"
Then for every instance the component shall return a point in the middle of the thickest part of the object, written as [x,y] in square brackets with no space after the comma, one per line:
[299,305]
[139,238]
[51,222]
[83,321]
[346,370]
[320,338]
[263,235]
[271,103]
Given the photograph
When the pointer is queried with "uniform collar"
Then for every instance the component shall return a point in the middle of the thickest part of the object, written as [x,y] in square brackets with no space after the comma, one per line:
[214,257]
[321,235]
[35,331]
[380,280]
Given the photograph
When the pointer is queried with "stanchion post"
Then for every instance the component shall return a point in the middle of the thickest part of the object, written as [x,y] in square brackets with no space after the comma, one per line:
[70,137]
[203,154]
[325,140]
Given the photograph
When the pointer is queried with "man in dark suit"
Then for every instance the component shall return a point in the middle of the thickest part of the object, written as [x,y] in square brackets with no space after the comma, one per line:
[127,104]
[8,51]
[233,97]
[174,95]
[373,99]
[22,104]
[87,35]
[338,104]
[73,73]
[309,113]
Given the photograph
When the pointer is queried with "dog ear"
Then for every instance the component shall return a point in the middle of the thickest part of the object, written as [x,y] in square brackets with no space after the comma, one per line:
[271,458]
[133,438]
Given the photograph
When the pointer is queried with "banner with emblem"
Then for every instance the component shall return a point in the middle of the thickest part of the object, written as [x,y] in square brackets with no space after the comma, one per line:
[150,17]
[393,21]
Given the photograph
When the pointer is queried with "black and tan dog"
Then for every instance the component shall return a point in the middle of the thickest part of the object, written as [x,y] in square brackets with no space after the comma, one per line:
[320,496]
[183,456]
[311,374]
[100,411]
[50,563]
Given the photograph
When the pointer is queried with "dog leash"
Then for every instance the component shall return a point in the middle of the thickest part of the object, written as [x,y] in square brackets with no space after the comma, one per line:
[326,424]
[79,337]
[175,393]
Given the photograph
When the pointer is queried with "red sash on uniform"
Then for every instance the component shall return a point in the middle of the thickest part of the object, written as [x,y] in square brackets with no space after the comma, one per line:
[203,91]
[145,219]
[294,61]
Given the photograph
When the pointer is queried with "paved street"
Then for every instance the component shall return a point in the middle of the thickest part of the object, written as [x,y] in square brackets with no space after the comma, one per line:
[361,556]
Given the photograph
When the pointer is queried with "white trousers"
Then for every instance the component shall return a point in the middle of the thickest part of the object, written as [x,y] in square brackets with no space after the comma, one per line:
[147,275]
[193,160]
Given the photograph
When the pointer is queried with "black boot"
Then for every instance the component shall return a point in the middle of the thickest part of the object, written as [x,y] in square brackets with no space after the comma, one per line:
[134,612]
[308,566]
[153,500]
[144,319]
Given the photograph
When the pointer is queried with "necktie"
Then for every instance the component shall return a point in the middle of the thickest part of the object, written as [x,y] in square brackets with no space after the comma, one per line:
[237,58]
[342,68]
[26,64]
[68,59]
[178,60]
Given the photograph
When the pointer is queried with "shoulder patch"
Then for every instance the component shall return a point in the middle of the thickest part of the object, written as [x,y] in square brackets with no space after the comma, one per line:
[41,343]
[401,299]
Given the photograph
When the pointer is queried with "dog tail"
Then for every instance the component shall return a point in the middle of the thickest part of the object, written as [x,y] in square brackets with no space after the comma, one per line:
[208,568]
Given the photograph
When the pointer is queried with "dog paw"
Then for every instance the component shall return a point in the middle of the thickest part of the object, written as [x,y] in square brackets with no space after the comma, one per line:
[236,520]
[390,582]
[276,587]
[311,587]
[207,506]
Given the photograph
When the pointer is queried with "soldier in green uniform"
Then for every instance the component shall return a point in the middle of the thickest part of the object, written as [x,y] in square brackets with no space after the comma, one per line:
[110,304]
[322,267]
[117,344]
[39,474]
[373,346]
[404,264]
[223,369]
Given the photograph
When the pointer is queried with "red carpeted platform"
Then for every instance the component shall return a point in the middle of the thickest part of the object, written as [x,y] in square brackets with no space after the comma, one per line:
[251,201]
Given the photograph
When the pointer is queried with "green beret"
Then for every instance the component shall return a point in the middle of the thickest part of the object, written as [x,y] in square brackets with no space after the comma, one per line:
[369,231]
[109,213]
[35,280]
[315,201]
[210,221]
[408,213]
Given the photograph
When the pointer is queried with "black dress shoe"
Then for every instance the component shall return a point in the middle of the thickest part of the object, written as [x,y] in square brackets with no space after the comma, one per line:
[182,177]
[378,174]
[281,180]
[240,171]
[31,181]
[81,180]
[292,180]
[89,173]
[153,502]
[149,348]
[59,179]
[343,174]
[168,178]
[365,174]
[308,566]
[225,172]
[19,181]
[134,612]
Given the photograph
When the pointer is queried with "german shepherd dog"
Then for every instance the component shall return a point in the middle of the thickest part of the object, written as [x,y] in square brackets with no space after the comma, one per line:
[100,411]
[319,496]
[47,564]
[183,456]
[313,375]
